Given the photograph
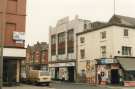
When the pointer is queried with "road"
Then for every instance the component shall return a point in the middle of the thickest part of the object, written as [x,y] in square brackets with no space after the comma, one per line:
[63,86]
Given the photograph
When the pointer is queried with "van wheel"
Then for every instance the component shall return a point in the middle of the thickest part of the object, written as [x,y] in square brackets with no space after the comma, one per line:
[47,84]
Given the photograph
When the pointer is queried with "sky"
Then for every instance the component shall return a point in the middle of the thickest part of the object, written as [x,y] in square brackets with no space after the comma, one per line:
[44,13]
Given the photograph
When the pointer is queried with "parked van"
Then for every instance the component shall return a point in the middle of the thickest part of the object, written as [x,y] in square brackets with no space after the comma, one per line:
[39,77]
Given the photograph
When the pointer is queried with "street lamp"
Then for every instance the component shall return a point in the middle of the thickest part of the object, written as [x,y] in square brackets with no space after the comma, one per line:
[2,31]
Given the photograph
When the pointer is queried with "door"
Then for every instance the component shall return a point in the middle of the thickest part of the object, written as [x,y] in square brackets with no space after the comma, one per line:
[114,76]
[57,73]
[71,74]
[9,71]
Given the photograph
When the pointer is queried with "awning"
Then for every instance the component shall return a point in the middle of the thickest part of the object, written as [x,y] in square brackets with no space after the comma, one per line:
[127,63]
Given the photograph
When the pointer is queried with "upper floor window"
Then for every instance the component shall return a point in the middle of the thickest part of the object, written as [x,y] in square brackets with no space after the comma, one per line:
[85,26]
[82,39]
[103,35]
[53,39]
[125,32]
[12,6]
[61,37]
[103,51]
[126,50]
[82,53]
[70,35]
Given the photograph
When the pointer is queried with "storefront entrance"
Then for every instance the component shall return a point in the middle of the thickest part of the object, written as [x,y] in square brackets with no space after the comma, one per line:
[9,71]
[57,73]
[114,76]
[71,74]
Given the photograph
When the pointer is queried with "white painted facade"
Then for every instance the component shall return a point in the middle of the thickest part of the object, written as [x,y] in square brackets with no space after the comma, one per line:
[64,25]
[114,41]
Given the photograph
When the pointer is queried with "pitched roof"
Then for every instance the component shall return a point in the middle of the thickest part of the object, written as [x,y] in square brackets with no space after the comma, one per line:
[117,20]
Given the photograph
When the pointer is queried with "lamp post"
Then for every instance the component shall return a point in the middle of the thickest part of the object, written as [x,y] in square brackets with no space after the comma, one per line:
[2,31]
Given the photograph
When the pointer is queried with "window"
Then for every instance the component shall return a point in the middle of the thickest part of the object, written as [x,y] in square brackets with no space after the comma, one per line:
[53,44]
[70,35]
[103,51]
[82,39]
[12,6]
[61,37]
[125,32]
[53,39]
[85,26]
[61,43]
[126,51]
[103,35]
[70,41]
[82,53]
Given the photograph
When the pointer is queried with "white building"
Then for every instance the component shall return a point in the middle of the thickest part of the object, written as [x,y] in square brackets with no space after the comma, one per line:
[113,47]
[62,47]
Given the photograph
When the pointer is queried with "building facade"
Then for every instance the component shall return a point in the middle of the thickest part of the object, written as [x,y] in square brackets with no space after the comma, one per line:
[14,32]
[103,52]
[62,47]
[36,58]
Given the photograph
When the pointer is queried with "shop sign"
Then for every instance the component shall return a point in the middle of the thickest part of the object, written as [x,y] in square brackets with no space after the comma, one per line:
[70,64]
[63,64]
[106,61]
[129,83]
[18,36]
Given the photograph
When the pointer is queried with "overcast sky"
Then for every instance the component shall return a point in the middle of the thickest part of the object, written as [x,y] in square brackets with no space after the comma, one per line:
[43,13]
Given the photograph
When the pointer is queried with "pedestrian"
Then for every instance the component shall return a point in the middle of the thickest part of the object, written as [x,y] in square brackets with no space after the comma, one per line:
[99,79]
[63,77]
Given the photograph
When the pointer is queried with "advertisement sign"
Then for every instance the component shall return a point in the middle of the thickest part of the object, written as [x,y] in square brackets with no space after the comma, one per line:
[63,64]
[106,61]
[18,36]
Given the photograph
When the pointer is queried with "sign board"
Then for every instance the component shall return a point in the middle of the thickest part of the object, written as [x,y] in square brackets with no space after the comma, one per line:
[62,64]
[18,36]
[106,61]
[129,83]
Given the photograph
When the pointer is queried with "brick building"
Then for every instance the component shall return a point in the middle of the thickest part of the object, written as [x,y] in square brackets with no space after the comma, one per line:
[14,31]
[36,57]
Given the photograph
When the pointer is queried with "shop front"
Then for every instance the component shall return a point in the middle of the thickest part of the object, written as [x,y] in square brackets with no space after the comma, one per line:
[63,71]
[12,58]
[107,72]
[128,70]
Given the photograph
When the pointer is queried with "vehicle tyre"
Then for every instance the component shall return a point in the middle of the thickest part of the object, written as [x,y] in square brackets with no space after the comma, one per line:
[47,84]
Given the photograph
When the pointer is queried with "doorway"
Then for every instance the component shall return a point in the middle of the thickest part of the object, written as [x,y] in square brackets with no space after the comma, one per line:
[71,74]
[56,73]
[114,76]
[9,71]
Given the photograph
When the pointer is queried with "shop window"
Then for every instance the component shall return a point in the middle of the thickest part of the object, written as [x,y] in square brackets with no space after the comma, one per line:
[82,53]
[126,50]
[130,76]
[103,51]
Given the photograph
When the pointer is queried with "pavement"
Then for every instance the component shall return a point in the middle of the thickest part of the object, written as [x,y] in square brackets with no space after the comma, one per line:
[67,85]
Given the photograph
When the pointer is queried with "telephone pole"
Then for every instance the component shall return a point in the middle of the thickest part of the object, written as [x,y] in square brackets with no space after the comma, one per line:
[2,32]
[114,7]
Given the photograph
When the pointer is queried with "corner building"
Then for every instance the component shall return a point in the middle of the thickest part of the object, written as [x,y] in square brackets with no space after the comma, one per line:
[62,47]
[14,31]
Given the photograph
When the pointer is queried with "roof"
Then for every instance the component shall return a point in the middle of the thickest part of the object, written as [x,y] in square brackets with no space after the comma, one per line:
[116,20]
[127,63]
[122,20]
